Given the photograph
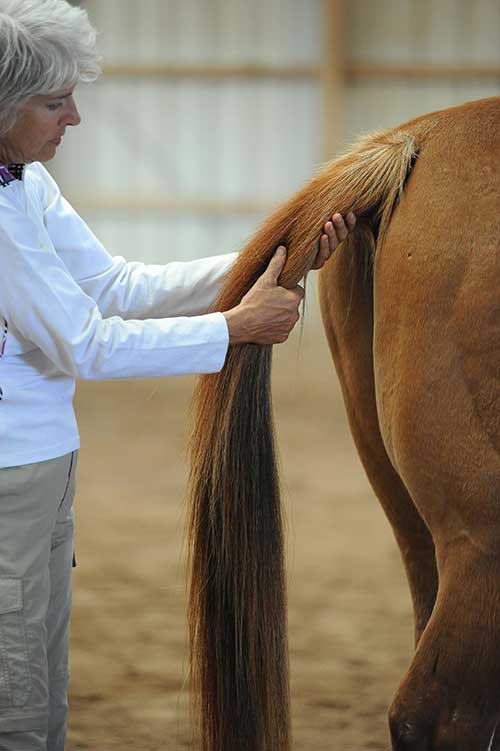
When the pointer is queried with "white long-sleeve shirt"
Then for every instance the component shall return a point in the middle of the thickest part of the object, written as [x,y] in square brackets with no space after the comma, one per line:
[69,310]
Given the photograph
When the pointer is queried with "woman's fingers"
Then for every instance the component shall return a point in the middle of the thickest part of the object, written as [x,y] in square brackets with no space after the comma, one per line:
[351,220]
[323,253]
[268,312]
[335,231]
[271,275]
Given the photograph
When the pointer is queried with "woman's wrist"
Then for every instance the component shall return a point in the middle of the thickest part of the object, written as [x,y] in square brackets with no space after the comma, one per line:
[234,326]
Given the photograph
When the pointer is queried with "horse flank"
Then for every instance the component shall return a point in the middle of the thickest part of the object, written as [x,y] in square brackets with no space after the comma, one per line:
[237,606]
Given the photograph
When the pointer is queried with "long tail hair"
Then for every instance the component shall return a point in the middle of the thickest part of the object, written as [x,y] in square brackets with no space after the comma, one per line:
[237,604]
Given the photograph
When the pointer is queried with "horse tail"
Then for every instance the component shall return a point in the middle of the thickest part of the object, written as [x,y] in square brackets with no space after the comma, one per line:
[237,602]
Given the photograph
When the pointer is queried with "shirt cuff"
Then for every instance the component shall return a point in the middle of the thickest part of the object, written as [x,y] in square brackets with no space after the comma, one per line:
[221,341]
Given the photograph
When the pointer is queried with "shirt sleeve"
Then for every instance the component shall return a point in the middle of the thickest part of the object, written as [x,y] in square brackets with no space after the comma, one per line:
[43,301]
[130,289]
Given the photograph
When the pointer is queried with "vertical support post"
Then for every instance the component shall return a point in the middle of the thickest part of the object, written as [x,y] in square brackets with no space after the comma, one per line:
[332,77]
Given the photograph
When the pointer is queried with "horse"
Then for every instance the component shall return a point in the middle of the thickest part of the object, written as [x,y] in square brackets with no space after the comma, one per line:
[411,309]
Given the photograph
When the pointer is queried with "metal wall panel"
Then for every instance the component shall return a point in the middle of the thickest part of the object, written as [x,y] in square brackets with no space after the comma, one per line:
[208,31]
[421,32]
[230,141]
[245,140]
[373,105]
[424,31]
[239,140]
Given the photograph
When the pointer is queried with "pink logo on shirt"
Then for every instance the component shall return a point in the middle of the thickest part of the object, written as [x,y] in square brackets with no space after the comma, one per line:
[3,338]
[5,176]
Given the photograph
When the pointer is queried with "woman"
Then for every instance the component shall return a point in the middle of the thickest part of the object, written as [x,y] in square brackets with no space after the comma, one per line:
[69,310]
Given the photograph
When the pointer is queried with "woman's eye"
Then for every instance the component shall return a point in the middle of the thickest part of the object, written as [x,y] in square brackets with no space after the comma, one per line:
[54,106]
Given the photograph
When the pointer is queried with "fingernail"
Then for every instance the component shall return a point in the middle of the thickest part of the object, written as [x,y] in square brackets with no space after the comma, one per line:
[281,250]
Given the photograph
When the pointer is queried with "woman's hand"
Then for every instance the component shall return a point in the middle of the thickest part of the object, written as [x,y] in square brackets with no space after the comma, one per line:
[268,312]
[336,232]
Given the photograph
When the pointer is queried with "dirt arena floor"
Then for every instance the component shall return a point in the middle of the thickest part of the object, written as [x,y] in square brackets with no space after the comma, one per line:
[349,607]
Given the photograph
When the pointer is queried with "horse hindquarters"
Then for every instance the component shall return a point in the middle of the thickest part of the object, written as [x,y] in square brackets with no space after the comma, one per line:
[436,354]
[346,298]
[369,180]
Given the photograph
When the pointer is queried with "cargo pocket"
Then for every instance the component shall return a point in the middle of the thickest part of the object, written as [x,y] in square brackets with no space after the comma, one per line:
[15,676]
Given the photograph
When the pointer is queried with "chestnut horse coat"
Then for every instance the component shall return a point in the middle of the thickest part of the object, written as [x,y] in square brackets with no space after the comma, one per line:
[411,307]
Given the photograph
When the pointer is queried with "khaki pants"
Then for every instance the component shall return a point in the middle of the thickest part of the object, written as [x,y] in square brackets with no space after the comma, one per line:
[36,554]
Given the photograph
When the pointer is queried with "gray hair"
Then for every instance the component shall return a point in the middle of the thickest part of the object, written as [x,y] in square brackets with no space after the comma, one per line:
[45,46]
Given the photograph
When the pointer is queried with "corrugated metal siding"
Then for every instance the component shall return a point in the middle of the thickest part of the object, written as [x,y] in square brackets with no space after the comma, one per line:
[219,140]
[208,31]
[241,139]
[436,31]
[439,32]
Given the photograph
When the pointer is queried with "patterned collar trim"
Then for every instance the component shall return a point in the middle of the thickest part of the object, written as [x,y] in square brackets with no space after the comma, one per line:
[10,173]
[16,170]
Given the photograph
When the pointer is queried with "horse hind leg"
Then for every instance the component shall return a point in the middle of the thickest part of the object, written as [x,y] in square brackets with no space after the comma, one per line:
[437,353]
[346,299]
[449,699]
[450,696]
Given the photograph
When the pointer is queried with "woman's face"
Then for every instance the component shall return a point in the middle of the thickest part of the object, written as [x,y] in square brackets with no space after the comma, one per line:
[39,128]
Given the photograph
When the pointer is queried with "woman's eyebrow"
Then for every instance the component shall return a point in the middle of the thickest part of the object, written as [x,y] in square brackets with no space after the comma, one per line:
[61,96]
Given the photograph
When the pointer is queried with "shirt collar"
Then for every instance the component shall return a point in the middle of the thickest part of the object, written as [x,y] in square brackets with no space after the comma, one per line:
[10,173]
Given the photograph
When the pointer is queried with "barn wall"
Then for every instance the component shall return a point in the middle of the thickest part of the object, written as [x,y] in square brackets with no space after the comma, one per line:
[203,144]
[179,167]
[420,33]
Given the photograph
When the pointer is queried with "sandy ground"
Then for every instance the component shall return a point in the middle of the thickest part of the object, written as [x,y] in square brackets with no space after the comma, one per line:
[349,607]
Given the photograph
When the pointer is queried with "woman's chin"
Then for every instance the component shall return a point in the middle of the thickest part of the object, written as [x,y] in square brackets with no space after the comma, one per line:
[46,154]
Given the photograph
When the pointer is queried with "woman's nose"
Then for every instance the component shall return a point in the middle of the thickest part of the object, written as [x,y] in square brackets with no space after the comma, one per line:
[72,116]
